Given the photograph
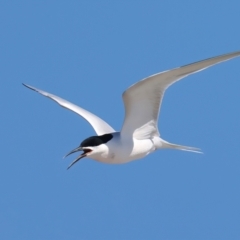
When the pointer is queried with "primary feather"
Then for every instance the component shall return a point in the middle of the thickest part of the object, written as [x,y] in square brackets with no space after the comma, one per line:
[142,100]
[99,125]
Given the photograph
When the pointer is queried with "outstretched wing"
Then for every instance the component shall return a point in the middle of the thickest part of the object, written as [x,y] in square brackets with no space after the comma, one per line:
[143,99]
[100,126]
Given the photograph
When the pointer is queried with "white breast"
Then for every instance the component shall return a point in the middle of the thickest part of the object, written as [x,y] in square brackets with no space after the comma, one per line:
[120,150]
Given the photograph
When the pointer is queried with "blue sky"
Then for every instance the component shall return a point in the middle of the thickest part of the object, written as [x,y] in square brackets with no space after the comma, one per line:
[89,52]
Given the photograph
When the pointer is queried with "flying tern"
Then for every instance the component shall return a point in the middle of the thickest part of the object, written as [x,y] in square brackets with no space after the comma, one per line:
[139,135]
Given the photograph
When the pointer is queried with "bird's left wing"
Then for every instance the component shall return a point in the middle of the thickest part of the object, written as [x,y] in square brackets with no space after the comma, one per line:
[143,99]
[99,125]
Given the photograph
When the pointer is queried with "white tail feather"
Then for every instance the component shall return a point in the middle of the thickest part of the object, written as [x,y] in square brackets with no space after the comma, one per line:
[166,144]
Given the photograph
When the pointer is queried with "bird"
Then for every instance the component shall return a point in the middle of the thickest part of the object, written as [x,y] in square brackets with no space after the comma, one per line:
[139,135]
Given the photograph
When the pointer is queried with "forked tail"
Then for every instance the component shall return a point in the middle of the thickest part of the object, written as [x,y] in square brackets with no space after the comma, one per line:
[166,144]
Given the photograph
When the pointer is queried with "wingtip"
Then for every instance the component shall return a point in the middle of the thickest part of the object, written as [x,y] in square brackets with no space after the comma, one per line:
[25,85]
[28,86]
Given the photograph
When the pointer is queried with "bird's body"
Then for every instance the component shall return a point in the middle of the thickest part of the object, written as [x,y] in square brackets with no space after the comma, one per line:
[139,135]
[123,150]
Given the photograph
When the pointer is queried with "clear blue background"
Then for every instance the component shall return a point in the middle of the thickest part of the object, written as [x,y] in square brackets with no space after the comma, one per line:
[89,52]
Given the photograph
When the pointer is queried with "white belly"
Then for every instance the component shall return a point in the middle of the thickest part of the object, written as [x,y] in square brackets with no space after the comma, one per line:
[120,151]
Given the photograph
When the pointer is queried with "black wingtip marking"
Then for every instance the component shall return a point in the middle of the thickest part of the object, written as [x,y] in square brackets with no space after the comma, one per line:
[27,86]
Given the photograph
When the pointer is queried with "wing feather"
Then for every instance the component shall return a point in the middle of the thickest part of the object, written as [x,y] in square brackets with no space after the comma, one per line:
[99,125]
[142,100]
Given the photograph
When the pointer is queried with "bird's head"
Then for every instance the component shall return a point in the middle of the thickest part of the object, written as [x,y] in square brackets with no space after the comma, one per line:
[91,146]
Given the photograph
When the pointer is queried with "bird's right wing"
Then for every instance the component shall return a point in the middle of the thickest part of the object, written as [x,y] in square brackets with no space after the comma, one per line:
[100,126]
[143,99]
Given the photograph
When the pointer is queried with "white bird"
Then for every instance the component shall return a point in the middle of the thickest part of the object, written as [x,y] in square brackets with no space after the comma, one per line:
[139,135]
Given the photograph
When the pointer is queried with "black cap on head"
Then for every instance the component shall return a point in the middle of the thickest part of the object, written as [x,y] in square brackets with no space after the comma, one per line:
[96,140]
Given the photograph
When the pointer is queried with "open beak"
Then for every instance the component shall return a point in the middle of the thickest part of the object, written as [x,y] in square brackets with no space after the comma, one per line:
[73,151]
[84,154]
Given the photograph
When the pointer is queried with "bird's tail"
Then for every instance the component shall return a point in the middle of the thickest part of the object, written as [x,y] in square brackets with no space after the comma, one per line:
[166,144]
